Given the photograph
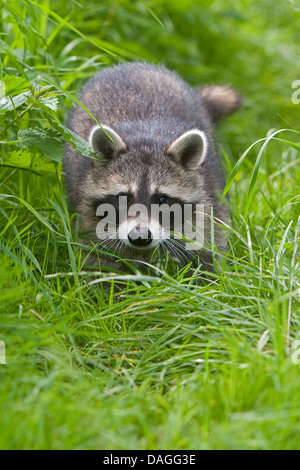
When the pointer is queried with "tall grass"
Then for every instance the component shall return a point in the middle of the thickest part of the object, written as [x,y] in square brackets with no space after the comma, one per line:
[164,362]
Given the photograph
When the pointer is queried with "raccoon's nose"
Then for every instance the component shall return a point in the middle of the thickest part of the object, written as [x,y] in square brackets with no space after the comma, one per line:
[140,237]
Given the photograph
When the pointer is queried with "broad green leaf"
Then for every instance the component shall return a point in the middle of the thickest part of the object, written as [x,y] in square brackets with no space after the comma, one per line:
[48,141]
[10,103]
[18,159]
[14,84]
[26,160]
[41,163]
[50,100]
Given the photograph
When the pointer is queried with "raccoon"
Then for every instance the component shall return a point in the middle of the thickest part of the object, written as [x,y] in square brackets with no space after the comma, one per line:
[155,147]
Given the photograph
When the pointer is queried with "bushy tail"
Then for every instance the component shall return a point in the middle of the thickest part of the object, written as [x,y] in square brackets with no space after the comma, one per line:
[219,100]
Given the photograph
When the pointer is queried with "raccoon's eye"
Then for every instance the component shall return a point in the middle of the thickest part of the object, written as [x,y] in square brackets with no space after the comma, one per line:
[163,200]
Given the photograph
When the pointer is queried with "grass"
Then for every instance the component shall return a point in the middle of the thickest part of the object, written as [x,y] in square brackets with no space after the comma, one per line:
[169,364]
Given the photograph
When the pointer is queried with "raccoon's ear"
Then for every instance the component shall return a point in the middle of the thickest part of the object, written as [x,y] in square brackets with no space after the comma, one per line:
[189,149]
[219,100]
[106,142]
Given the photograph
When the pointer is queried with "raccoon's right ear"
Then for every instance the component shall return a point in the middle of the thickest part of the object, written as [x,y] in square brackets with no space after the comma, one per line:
[106,142]
[190,149]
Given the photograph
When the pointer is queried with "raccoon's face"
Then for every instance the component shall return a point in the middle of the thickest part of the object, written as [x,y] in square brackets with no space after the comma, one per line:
[139,198]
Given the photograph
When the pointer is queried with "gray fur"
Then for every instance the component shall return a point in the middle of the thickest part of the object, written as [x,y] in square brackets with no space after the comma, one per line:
[148,107]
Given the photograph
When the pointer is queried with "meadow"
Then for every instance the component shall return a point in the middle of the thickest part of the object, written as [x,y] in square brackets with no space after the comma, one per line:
[166,363]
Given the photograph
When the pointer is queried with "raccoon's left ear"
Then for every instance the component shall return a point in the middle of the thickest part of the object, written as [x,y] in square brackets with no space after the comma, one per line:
[189,149]
[106,142]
